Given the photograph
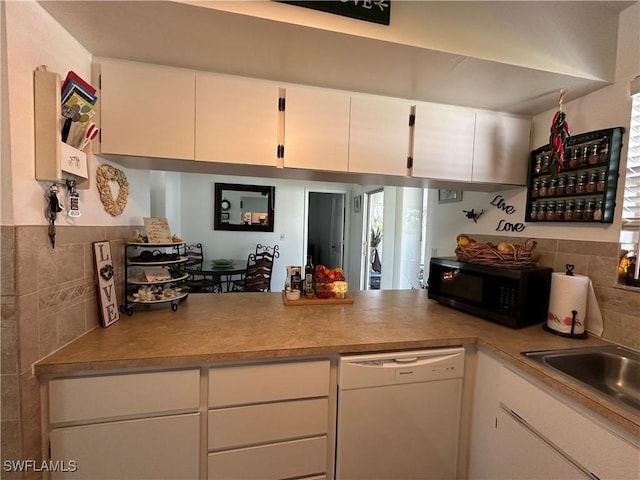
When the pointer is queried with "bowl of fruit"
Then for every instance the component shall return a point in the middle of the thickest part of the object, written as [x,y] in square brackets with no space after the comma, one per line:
[324,279]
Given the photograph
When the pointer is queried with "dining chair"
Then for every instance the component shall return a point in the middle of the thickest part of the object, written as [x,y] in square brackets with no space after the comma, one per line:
[199,283]
[257,277]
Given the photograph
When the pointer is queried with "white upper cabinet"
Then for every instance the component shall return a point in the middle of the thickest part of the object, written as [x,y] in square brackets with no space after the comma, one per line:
[236,120]
[146,110]
[379,135]
[316,132]
[501,148]
[443,142]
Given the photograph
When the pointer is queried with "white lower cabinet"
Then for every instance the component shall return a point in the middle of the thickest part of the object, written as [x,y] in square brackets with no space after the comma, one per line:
[126,426]
[269,421]
[150,448]
[520,431]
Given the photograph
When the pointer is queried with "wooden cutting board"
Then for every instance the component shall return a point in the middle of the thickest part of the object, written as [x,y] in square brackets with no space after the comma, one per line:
[315,300]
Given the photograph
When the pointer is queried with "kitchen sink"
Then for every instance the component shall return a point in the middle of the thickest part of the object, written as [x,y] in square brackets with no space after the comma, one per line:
[610,370]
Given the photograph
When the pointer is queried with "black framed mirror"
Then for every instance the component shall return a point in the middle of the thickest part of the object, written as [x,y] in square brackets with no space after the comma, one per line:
[245,208]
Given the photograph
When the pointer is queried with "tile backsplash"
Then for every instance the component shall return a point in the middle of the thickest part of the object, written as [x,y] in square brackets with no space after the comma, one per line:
[599,261]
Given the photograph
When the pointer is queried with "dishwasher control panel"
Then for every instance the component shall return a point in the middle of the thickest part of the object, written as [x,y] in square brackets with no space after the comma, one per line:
[362,371]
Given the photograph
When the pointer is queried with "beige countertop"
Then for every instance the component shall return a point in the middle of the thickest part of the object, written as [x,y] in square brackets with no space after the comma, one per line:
[210,328]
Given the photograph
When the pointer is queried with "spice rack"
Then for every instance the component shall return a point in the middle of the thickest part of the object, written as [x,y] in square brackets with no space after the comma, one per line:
[584,188]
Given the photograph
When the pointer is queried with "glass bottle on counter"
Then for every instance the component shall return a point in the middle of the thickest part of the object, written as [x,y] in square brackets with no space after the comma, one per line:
[597,211]
[308,276]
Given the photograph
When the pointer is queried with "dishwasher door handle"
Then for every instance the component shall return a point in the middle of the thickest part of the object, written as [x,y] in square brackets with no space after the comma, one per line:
[406,360]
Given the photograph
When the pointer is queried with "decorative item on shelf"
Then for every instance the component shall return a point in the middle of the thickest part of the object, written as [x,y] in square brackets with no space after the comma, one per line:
[558,137]
[473,215]
[504,254]
[106,282]
[104,175]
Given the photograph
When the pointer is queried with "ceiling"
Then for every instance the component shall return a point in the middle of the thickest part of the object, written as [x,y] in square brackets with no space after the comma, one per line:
[204,38]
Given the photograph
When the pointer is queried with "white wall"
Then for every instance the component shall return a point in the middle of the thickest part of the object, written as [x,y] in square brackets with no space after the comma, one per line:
[196,212]
[33,38]
[605,108]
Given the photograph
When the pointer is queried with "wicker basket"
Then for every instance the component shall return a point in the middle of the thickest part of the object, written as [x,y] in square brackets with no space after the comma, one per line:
[487,254]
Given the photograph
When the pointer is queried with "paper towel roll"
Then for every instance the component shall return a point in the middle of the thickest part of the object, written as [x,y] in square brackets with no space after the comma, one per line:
[568,293]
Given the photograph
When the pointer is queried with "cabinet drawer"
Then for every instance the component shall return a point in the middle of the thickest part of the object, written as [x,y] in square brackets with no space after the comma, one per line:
[282,460]
[250,425]
[153,448]
[246,384]
[85,398]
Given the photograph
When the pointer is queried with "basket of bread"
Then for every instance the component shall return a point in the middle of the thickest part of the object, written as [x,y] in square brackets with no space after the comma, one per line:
[504,254]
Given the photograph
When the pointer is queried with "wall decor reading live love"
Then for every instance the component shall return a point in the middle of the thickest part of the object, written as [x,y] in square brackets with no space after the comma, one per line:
[504,226]
[376,11]
[106,282]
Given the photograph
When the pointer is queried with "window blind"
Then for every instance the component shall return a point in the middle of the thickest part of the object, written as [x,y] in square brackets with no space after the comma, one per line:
[631,204]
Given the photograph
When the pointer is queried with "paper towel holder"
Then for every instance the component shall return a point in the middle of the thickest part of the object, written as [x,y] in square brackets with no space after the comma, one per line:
[569,267]
[574,313]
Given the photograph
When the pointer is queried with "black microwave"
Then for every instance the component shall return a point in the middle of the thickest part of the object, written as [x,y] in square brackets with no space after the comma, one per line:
[513,297]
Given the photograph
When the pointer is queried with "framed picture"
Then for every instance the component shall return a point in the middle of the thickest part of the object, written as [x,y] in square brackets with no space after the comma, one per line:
[448,196]
[106,282]
[357,204]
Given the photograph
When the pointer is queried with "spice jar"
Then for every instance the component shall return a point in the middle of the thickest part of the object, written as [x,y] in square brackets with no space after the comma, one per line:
[579,214]
[544,187]
[584,160]
[581,187]
[588,211]
[553,186]
[545,163]
[571,184]
[574,161]
[561,189]
[593,156]
[535,189]
[604,150]
[560,210]
[551,211]
[601,184]
[542,210]
[597,211]
[533,215]
[538,167]
[569,212]
[593,179]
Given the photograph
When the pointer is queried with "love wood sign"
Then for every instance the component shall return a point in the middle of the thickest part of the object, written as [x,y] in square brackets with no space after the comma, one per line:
[106,282]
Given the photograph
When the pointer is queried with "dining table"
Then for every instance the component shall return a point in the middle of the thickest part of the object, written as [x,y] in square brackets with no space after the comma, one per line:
[222,271]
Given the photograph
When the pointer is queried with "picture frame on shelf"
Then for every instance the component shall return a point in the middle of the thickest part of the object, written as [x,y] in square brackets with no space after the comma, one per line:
[449,196]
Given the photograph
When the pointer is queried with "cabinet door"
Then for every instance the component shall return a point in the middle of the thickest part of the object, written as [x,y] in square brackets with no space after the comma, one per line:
[153,448]
[443,142]
[146,110]
[316,129]
[522,455]
[236,120]
[501,148]
[379,135]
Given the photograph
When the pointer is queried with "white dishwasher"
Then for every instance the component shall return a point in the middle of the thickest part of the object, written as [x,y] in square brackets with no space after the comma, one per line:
[399,415]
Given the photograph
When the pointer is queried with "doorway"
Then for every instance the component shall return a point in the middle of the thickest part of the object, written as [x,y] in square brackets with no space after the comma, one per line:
[326,228]
[372,266]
